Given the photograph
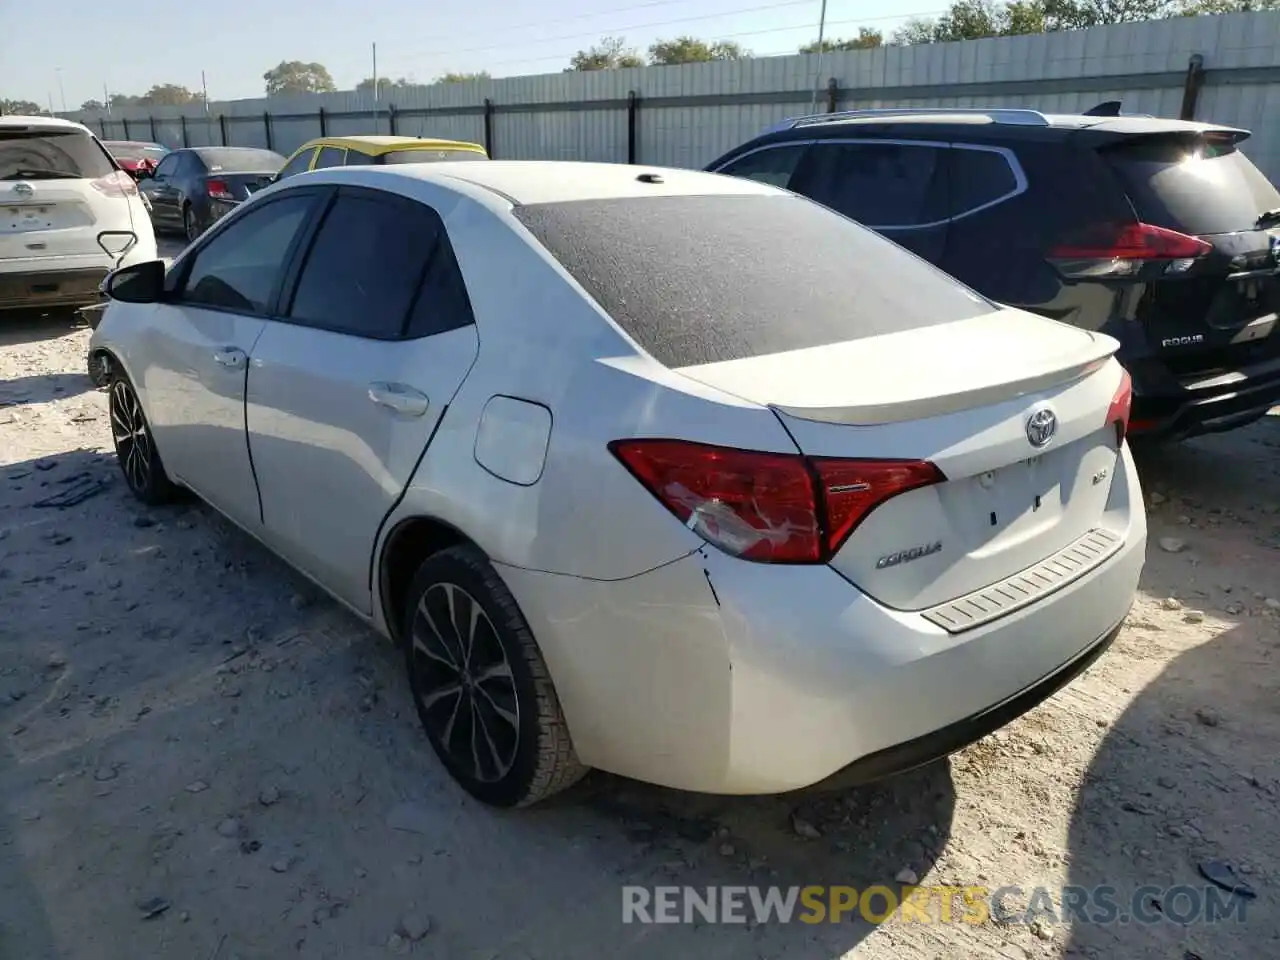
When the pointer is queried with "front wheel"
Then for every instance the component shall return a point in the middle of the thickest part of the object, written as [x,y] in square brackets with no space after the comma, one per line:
[481,688]
[135,449]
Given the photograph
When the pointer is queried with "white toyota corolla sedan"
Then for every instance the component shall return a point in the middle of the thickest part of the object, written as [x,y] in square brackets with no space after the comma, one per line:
[668,473]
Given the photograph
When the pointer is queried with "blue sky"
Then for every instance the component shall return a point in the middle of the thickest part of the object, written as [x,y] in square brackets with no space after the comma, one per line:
[234,41]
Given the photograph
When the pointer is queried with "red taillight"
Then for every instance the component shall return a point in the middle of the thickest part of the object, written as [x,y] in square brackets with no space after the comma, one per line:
[219,190]
[117,183]
[1121,406]
[1114,249]
[768,507]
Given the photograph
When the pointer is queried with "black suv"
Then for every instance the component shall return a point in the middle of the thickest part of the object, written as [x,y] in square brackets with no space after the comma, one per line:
[1158,232]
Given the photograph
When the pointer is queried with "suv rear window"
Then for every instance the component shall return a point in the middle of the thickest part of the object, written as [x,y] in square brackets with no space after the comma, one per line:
[1194,185]
[430,156]
[706,279]
[51,154]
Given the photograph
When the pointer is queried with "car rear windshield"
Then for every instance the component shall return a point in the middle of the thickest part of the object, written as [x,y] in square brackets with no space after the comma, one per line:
[705,279]
[136,151]
[431,156]
[1195,185]
[242,160]
[51,154]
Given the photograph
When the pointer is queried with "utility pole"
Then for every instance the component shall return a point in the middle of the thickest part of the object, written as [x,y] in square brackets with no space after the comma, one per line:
[62,94]
[50,93]
[106,98]
[375,88]
[817,78]
[204,92]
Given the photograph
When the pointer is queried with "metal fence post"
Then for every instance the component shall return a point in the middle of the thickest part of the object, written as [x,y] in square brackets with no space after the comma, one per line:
[266,126]
[152,122]
[633,117]
[488,127]
[391,119]
[125,121]
[324,127]
[222,126]
[833,95]
[1191,86]
[102,123]
[183,120]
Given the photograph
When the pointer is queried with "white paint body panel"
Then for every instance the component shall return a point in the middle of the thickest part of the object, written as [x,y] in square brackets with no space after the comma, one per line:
[674,662]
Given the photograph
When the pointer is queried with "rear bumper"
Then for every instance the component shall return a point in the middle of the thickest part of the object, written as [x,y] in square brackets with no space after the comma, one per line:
[720,676]
[50,288]
[1207,403]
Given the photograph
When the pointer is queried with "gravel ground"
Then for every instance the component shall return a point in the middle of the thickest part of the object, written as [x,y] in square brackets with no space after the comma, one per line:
[203,758]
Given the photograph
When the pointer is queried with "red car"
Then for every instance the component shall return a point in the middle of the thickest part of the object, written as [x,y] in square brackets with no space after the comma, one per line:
[136,158]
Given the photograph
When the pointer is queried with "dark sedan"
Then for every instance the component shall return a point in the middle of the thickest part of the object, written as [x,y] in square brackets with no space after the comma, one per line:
[193,187]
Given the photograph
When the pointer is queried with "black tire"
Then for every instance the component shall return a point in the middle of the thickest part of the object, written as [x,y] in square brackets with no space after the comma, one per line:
[136,452]
[505,700]
[190,228]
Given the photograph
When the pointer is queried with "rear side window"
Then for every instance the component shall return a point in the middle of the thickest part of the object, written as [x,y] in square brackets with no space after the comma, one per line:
[881,185]
[330,157]
[299,164]
[431,156]
[366,264]
[714,278]
[52,155]
[979,178]
[1193,185]
[772,165]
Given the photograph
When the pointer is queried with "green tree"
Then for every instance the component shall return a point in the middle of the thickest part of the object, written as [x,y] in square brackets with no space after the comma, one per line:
[452,77]
[692,50]
[92,105]
[867,39]
[1195,8]
[385,85]
[611,53]
[294,76]
[23,108]
[169,95]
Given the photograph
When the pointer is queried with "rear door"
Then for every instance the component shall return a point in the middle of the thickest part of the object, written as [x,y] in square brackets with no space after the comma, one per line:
[896,187]
[1220,310]
[57,191]
[345,391]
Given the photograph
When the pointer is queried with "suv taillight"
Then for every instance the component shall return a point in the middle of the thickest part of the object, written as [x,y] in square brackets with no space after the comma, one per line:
[117,183]
[768,507]
[1121,406]
[1120,250]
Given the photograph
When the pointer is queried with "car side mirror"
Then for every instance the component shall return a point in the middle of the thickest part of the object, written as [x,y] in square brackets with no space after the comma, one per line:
[137,283]
[144,173]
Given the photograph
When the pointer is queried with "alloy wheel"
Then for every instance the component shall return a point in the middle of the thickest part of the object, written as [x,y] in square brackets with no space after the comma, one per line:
[464,685]
[189,225]
[129,431]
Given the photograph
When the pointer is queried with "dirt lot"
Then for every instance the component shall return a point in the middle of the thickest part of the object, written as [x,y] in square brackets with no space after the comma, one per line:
[205,759]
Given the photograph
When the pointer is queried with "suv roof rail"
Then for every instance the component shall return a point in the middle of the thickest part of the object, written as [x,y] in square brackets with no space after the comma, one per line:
[1014,115]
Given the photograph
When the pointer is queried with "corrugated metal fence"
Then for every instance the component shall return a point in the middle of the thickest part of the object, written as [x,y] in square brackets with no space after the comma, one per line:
[1223,68]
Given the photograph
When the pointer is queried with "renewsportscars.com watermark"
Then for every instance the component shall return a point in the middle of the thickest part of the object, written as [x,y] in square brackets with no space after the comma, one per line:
[930,904]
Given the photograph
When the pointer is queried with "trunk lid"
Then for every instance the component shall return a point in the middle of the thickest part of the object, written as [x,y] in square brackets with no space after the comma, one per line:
[240,185]
[46,218]
[1219,311]
[959,395]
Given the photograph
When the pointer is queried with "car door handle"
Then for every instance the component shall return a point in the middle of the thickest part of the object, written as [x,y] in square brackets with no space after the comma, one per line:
[232,357]
[400,398]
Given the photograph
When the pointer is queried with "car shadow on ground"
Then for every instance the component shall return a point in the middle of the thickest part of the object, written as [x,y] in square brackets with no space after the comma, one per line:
[31,326]
[41,388]
[148,649]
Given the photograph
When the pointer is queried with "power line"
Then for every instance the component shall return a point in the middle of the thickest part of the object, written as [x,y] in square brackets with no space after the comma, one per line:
[618,31]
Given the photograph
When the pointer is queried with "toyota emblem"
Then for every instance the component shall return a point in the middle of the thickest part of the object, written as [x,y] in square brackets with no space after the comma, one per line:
[1041,426]
[23,189]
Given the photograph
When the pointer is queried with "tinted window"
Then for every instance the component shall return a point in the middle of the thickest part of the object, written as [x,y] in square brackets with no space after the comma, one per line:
[430,156]
[442,302]
[772,165]
[1192,185]
[330,157]
[166,167]
[239,267]
[365,266]
[240,160]
[298,164]
[190,165]
[712,278]
[979,177]
[51,155]
[878,184]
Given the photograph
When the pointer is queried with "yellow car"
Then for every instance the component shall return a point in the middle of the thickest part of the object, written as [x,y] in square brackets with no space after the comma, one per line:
[351,151]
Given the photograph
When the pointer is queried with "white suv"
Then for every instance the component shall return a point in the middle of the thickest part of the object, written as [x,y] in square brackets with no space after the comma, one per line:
[68,214]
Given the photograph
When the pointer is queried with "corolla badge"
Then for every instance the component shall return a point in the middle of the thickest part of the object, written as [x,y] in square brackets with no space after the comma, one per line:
[1041,426]
[23,189]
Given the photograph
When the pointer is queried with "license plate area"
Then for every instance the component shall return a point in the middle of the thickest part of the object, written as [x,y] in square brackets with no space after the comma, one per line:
[14,219]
